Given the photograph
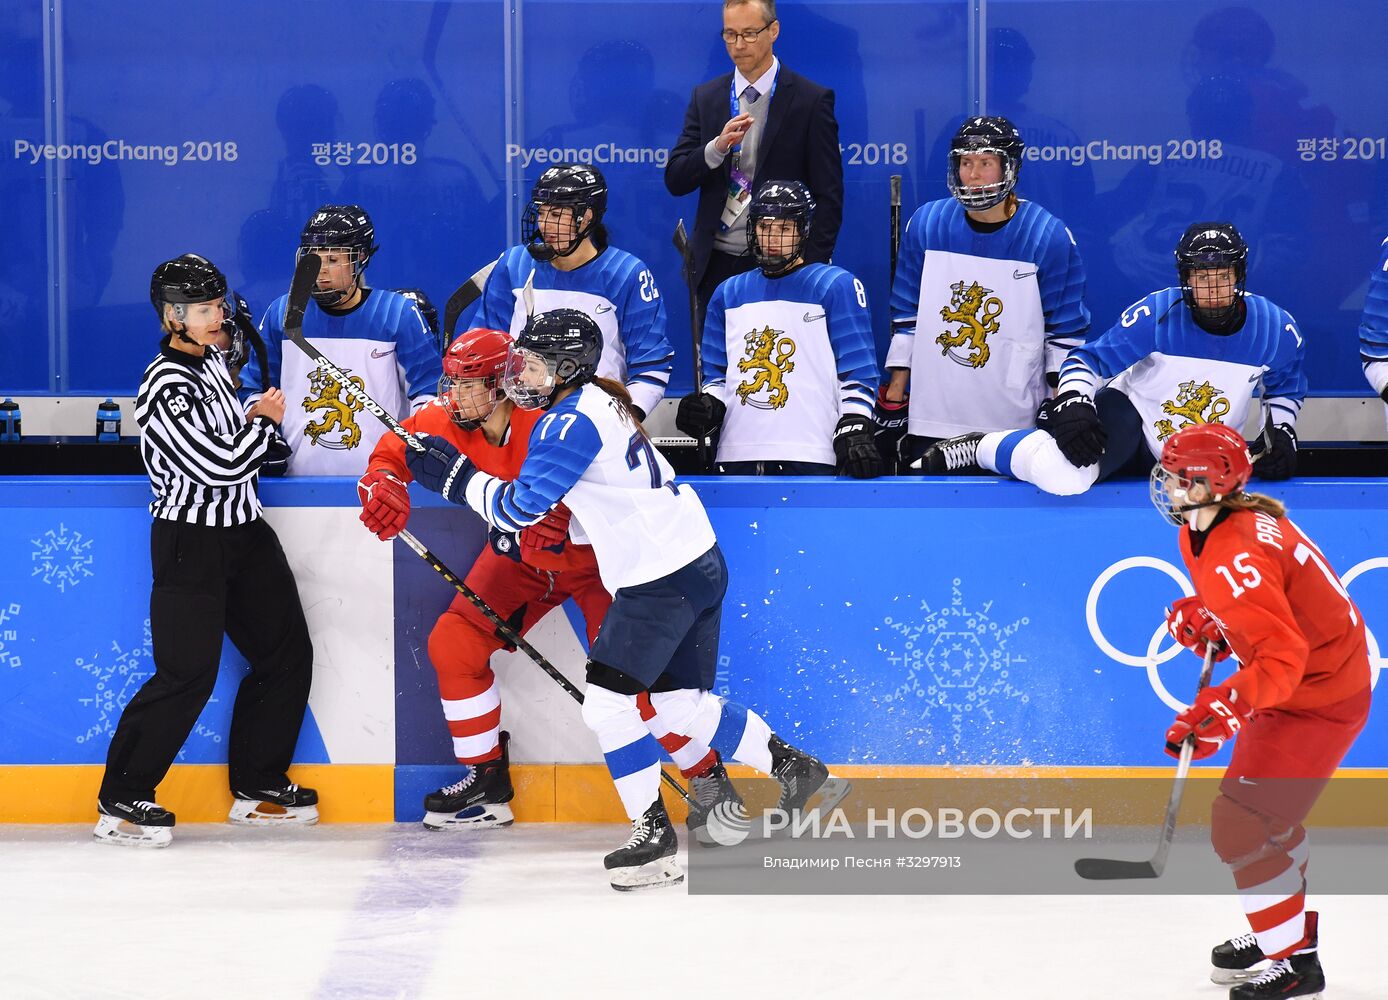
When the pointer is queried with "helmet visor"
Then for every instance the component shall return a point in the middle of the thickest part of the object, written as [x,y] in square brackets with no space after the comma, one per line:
[529,379]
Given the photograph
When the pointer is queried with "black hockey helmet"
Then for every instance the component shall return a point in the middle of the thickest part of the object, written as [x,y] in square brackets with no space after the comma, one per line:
[1206,246]
[780,200]
[239,328]
[569,185]
[345,228]
[994,135]
[185,280]
[567,342]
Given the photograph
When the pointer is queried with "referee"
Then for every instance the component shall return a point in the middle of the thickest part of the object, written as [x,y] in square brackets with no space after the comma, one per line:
[218,568]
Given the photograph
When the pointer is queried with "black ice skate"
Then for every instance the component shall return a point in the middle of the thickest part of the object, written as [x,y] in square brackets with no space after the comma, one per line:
[1233,961]
[287,806]
[716,796]
[1297,976]
[478,800]
[647,859]
[801,777]
[949,455]
[133,824]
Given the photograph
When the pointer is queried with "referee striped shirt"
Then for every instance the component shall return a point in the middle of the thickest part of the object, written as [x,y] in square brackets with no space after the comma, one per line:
[202,456]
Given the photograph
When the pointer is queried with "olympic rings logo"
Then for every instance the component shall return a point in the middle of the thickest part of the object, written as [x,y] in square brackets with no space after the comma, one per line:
[1155,655]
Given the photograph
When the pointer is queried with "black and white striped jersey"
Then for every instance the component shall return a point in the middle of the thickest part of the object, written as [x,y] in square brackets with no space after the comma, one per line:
[202,456]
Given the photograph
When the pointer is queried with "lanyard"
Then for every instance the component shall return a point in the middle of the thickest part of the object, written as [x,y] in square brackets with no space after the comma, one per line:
[734,110]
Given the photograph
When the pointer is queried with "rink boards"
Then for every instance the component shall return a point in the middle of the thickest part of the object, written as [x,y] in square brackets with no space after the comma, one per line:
[895,627]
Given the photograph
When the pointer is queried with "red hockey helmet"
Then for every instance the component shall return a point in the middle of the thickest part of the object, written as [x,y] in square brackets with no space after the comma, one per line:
[1213,455]
[477,355]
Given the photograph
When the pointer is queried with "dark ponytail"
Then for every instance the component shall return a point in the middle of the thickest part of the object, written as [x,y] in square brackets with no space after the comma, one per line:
[619,392]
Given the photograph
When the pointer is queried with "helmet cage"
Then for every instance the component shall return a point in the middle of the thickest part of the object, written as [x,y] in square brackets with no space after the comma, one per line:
[356,257]
[532,235]
[979,197]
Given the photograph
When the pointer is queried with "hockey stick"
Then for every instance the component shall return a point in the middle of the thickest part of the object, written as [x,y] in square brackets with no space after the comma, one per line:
[686,252]
[305,276]
[512,636]
[1104,869]
[466,294]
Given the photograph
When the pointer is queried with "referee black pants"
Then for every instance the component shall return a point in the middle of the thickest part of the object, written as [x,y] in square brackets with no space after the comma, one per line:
[207,582]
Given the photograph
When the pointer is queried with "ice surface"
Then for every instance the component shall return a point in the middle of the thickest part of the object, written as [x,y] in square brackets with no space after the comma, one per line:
[396,911]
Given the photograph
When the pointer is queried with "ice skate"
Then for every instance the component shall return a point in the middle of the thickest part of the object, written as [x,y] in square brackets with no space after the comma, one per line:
[1233,961]
[647,859]
[714,793]
[478,800]
[1297,976]
[949,455]
[133,824]
[802,777]
[288,806]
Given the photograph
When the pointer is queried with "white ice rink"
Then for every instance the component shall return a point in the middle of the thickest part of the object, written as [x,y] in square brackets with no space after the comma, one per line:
[395,911]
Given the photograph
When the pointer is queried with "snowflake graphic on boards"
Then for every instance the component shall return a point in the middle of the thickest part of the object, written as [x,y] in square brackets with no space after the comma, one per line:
[117,676]
[62,557]
[957,663]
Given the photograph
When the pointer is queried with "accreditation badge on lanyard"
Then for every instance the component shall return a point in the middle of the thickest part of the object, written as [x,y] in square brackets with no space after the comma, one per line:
[739,184]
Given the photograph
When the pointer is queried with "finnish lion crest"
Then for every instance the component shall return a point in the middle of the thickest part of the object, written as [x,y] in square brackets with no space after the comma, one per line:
[768,359]
[977,316]
[325,395]
[1196,403]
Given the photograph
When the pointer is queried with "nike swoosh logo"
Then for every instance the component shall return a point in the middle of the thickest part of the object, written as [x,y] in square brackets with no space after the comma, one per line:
[1245,781]
[604,308]
[1022,274]
[812,317]
[382,354]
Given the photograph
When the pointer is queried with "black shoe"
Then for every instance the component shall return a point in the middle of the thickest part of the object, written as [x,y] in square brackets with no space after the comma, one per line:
[1233,960]
[274,806]
[647,859]
[1297,976]
[949,455]
[713,790]
[137,823]
[798,774]
[479,799]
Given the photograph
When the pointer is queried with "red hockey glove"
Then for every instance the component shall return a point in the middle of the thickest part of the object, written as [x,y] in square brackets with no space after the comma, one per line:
[385,503]
[1192,625]
[547,534]
[1216,716]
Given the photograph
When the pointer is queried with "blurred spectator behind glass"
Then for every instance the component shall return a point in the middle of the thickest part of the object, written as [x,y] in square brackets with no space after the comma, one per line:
[760,121]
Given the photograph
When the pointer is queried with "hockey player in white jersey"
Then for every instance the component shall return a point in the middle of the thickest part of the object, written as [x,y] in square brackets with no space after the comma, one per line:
[988,298]
[378,337]
[773,415]
[658,557]
[1373,327]
[566,259]
[1193,354]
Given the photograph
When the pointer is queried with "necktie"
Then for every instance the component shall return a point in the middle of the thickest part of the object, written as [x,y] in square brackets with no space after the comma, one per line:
[750,94]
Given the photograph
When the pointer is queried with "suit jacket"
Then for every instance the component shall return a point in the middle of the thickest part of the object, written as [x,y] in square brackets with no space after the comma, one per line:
[800,143]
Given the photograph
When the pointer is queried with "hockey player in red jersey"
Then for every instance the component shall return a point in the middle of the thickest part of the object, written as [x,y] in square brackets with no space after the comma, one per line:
[521,578]
[1300,697]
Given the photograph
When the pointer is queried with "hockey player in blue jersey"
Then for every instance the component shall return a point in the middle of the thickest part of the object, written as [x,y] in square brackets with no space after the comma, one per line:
[378,337]
[566,259]
[1373,327]
[811,416]
[1193,354]
[988,299]
[658,557]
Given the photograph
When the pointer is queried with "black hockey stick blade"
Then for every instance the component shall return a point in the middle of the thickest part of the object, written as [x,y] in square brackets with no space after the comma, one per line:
[1104,869]
[466,294]
[300,289]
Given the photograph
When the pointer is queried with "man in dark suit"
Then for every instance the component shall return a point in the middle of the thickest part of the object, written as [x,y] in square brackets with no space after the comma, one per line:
[760,122]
